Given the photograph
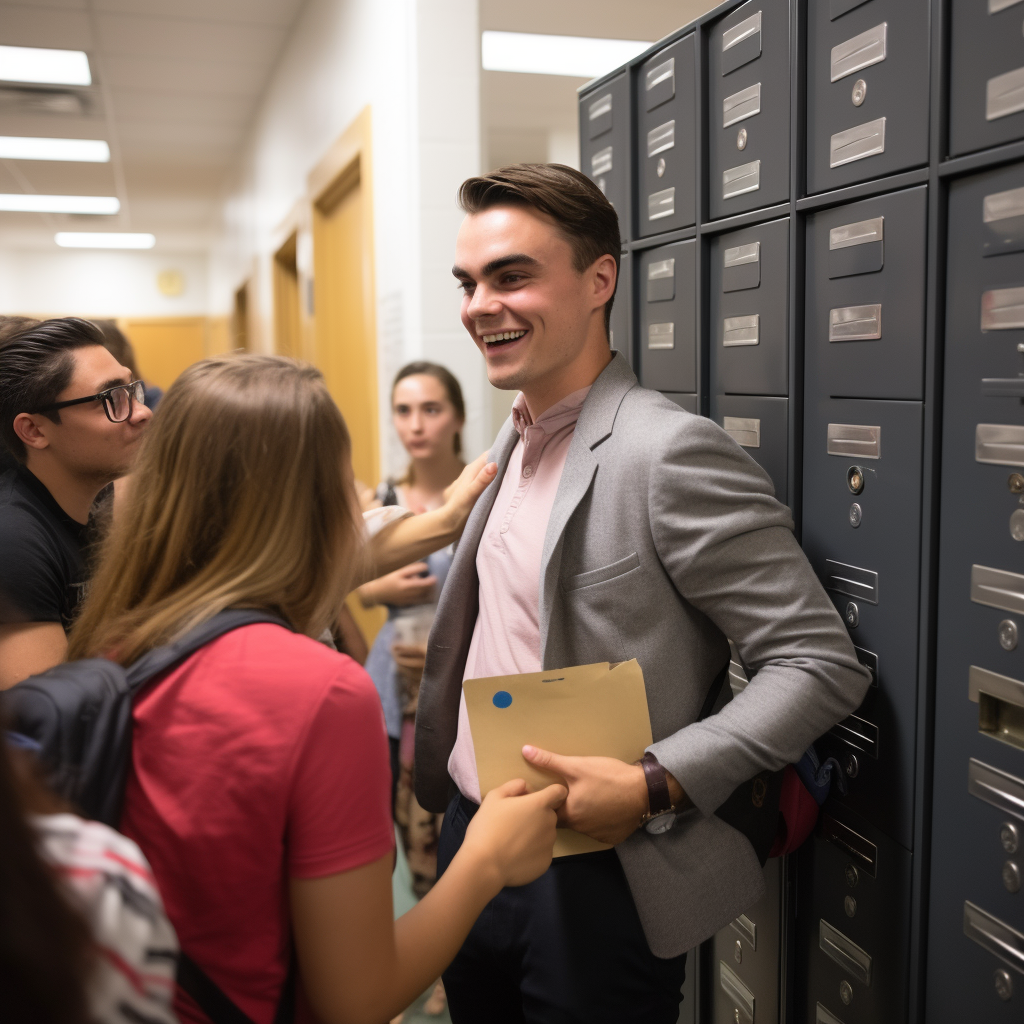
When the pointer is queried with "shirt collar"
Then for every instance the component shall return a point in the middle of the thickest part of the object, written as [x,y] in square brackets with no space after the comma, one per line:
[561,414]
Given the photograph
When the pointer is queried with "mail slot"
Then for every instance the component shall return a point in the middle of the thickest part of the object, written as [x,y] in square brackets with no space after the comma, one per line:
[867,90]
[749,297]
[999,444]
[760,425]
[606,133]
[667,349]
[1002,309]
[666,127]
[850,579]
[858,733]
[856,440]
[1002,214]
[748,108]
[1002,790]
[996,936]
[1000,701]
[997,588]
[864,320]
[844,951]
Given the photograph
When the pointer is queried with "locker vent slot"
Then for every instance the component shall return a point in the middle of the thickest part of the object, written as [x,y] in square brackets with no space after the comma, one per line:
[849,580]
[738,994]
[837,8]
[741,254]
[745,432]
[1003,205]
[738,180]
[741,44]
[600,107]
[1002,387]
[859,52]
[744,30]
[599,116]
[741,330]
[997,588]
[1004,95]
[661,204]
[821,1015]
[661,138]
[662,73]
[661,281]
[741,105]
[741,267]
[857,143]
[601,161]
[746,927]
[999,444]
[861,233]
[661,336]
[862,442]
[862,850]
[1002,218]
[994,935]
[1000,701]
[845,952]
[995,6]
[1002,309]
[870,661]
[855,323]
[1006,792]
[859,733]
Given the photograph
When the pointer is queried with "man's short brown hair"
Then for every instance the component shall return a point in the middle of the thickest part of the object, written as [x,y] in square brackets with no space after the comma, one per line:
[579,208]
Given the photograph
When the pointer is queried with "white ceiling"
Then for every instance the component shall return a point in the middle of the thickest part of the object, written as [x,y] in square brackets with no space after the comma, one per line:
[175,87]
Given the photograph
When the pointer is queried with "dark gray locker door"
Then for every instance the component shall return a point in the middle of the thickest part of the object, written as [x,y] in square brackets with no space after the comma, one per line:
[620,329]
[688,1003]
[748,108]
[980,618]
[747,958]
[761,427]
[687,402]
[853,924]
[986,85]
[863,542]
[605,137]
[665,295]
[750,310]
[666,130]
[867,90]
[864,324]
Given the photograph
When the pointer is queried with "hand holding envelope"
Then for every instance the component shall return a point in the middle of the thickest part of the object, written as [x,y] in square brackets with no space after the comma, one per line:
[588,710]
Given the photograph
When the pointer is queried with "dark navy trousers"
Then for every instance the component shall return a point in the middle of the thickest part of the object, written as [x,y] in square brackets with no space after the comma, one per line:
[566,949]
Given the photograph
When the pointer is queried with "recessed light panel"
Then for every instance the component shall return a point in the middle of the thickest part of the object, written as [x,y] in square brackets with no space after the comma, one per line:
[19,202]
[576,56]
[104,240]
[44,67]
[16,147]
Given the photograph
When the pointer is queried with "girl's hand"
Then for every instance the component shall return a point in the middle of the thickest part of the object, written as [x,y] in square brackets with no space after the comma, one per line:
[460,497]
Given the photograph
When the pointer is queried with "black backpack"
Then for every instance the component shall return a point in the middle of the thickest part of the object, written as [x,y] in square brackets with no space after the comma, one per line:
[79,717]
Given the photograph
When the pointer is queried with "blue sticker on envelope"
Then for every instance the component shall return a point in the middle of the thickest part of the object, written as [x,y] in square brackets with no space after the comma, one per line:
[502,699]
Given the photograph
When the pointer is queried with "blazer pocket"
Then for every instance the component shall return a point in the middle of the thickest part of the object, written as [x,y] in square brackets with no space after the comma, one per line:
[604,574]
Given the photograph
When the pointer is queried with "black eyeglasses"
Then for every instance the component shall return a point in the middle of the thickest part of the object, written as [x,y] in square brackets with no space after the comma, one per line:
[117,401]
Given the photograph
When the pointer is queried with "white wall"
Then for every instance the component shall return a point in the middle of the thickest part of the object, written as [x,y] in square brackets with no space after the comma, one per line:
[95,283]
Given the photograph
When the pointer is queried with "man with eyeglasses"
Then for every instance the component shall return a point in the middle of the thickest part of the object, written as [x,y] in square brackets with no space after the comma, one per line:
[72,418]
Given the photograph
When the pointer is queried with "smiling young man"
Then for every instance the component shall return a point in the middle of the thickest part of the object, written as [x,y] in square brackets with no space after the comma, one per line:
[618,526]
[72,417]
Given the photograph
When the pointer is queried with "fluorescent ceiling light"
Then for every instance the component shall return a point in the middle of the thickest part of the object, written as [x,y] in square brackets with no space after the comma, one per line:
[45,67]
[90,151]
[104,240]
[19,202]
[577,56]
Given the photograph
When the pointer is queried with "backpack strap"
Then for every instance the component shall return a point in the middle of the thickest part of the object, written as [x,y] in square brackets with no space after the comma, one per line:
[219,1007]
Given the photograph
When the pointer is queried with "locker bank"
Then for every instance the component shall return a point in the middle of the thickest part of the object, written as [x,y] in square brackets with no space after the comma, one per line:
[822,205]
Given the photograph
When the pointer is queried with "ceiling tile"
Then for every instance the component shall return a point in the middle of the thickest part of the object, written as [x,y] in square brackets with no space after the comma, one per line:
[219,79]
[31,25]
[138,104]
[58,178]
[279,13]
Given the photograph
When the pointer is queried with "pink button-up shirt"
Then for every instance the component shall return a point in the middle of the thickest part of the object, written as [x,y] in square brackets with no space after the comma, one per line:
[506,638]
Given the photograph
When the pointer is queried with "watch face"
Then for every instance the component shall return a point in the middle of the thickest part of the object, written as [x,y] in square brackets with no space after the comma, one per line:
[661,823]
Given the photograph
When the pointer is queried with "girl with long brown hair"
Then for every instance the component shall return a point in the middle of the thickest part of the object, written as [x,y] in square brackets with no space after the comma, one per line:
[259,787]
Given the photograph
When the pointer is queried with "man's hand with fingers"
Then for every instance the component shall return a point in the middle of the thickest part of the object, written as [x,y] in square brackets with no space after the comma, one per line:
[607,798]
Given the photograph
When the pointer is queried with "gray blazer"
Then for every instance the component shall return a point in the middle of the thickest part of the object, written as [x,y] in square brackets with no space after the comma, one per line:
[664,539]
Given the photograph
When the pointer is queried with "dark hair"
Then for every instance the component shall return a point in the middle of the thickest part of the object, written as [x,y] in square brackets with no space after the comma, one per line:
[581,210]
[46,951]
[35,367]
[118,345]
[451,386]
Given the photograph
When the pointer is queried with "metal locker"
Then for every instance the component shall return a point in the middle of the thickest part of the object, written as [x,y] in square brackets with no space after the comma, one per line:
[748,108]
[688,1009]
[605,137]
[666,130]
[747,959]
[867,89]
[853,924]
[620,327]
[761,427]
[750,310]
[687,402]
[986,74]
[667,348]
[861,532]
[976,917]
[865,326]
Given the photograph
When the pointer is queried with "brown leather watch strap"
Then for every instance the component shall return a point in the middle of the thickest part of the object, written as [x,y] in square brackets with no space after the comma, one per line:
[657,784]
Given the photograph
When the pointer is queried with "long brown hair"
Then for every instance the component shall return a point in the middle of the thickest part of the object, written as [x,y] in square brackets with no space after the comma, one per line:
[453,389]
[242,496]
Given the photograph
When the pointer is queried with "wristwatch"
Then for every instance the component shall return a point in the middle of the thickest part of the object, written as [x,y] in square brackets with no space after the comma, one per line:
[661,815]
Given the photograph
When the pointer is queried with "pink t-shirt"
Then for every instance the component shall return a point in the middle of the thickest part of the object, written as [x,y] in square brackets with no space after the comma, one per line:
[506,638]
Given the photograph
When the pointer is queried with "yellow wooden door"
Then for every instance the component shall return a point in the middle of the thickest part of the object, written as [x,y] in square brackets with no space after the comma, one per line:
[164,346]
[287,316]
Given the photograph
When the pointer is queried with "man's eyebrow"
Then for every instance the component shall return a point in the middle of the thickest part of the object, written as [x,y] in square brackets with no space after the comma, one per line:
[113,382]
[514,259]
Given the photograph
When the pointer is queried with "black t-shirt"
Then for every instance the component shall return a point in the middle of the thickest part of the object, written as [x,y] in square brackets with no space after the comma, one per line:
[42,553]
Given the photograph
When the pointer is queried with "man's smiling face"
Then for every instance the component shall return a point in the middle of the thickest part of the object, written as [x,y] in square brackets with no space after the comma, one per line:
[524,304]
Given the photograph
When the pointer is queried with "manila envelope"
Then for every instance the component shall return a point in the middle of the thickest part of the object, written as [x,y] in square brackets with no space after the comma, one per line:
[585,710]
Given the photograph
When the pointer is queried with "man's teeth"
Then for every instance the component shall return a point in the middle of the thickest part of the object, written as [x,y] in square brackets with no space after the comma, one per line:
[505,336]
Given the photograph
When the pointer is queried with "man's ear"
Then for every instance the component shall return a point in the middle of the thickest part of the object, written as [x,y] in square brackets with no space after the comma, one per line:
[604,273]
[30,431]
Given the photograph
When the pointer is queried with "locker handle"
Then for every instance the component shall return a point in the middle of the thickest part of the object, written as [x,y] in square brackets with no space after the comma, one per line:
[823,1016]
[744,30]
[860,849]
[1000,701]
[845,952]
[997,588]
[741,996]
[1002,387]
[995,787]
[994,935]
[995,6]
[743,924]
[999,444]
[859,52]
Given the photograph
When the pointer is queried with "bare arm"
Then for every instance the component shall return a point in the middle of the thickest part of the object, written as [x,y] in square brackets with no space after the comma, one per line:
[29,647]
[359,966]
